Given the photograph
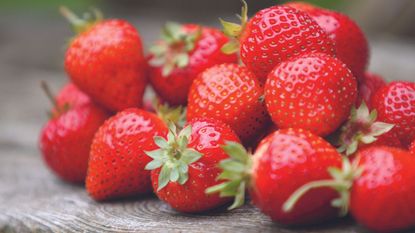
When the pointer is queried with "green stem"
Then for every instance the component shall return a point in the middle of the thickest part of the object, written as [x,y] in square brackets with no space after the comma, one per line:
[293,199]
[77,23]
[46,89]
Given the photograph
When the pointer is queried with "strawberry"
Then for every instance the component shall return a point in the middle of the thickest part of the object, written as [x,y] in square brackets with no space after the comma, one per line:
[117,157]
[313,91]
[67,136]
[183,52]
[232,94]
[368,85]
[185,164]
[377,187]
[283,162]
[105,60]
[274,35]
[412,148]
[362,130]
[350,42]
[395,104]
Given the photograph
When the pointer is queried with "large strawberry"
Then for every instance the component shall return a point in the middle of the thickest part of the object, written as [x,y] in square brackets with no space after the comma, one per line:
[182,53]
[186,163]
[350,42]
[395,104]
[284,161]
[378,187]
[232,94]
[274,35]
[313,91]
[67,136]
[105,60]
[368,85]
[117,158]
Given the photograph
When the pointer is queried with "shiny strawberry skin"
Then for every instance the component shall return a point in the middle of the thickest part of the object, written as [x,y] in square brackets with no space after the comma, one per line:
[208,135]
[382,197]
[277,34]
[368,86]
[395,104]
[350,42]
[230,93]
[412,148]
[283,162]
[107,63]
[66,138]
[117,158]
[174,88]
[314,92]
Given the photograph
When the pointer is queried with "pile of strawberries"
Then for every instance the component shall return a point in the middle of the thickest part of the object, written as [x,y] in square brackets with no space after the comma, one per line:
[328,137]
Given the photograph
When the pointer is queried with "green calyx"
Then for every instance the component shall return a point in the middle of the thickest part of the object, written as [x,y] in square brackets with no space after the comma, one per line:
[172,51]
[234,31]
[342,182]
[57,109]
[80,25]
[362,128]
[236,173]
[173,156]
[176,115]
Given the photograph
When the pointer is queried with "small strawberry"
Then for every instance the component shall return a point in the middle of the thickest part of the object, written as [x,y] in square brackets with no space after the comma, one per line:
[284,161]
[67,136]
[350,42]
[183,52]
[232,94]
[105,60]
[313,91]
[368,85]
[378,187]
[274,35]
[395,104]
[362,130]
[186,164]
[117,157]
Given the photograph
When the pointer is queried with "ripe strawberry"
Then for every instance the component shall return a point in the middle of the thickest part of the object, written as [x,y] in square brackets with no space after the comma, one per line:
[283,162]
[362,130]
[395,104]
[314,92]
[183,52]
[378,187]
[350,42]
[105,60]
[274,35]
[368,86]
[387,183]
[232,94]
[186,164]
[412,148]
[66,138]
[117,158]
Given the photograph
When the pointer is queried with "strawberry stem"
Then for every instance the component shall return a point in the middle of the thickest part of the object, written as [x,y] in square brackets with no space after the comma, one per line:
[46,89]
[80,25]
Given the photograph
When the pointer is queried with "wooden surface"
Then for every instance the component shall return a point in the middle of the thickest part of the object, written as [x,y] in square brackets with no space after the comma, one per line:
[33,200]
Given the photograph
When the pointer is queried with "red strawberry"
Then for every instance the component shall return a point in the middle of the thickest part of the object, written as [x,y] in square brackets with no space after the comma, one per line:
[66,138]
[274,35]
[351,44]
[314,92]
[183,52]
[378,187]
[186,164]
[106,61]
[412,148]
[117,158]
[368,85]
[395,104]
[232,94]
[283,162]
[362,130]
